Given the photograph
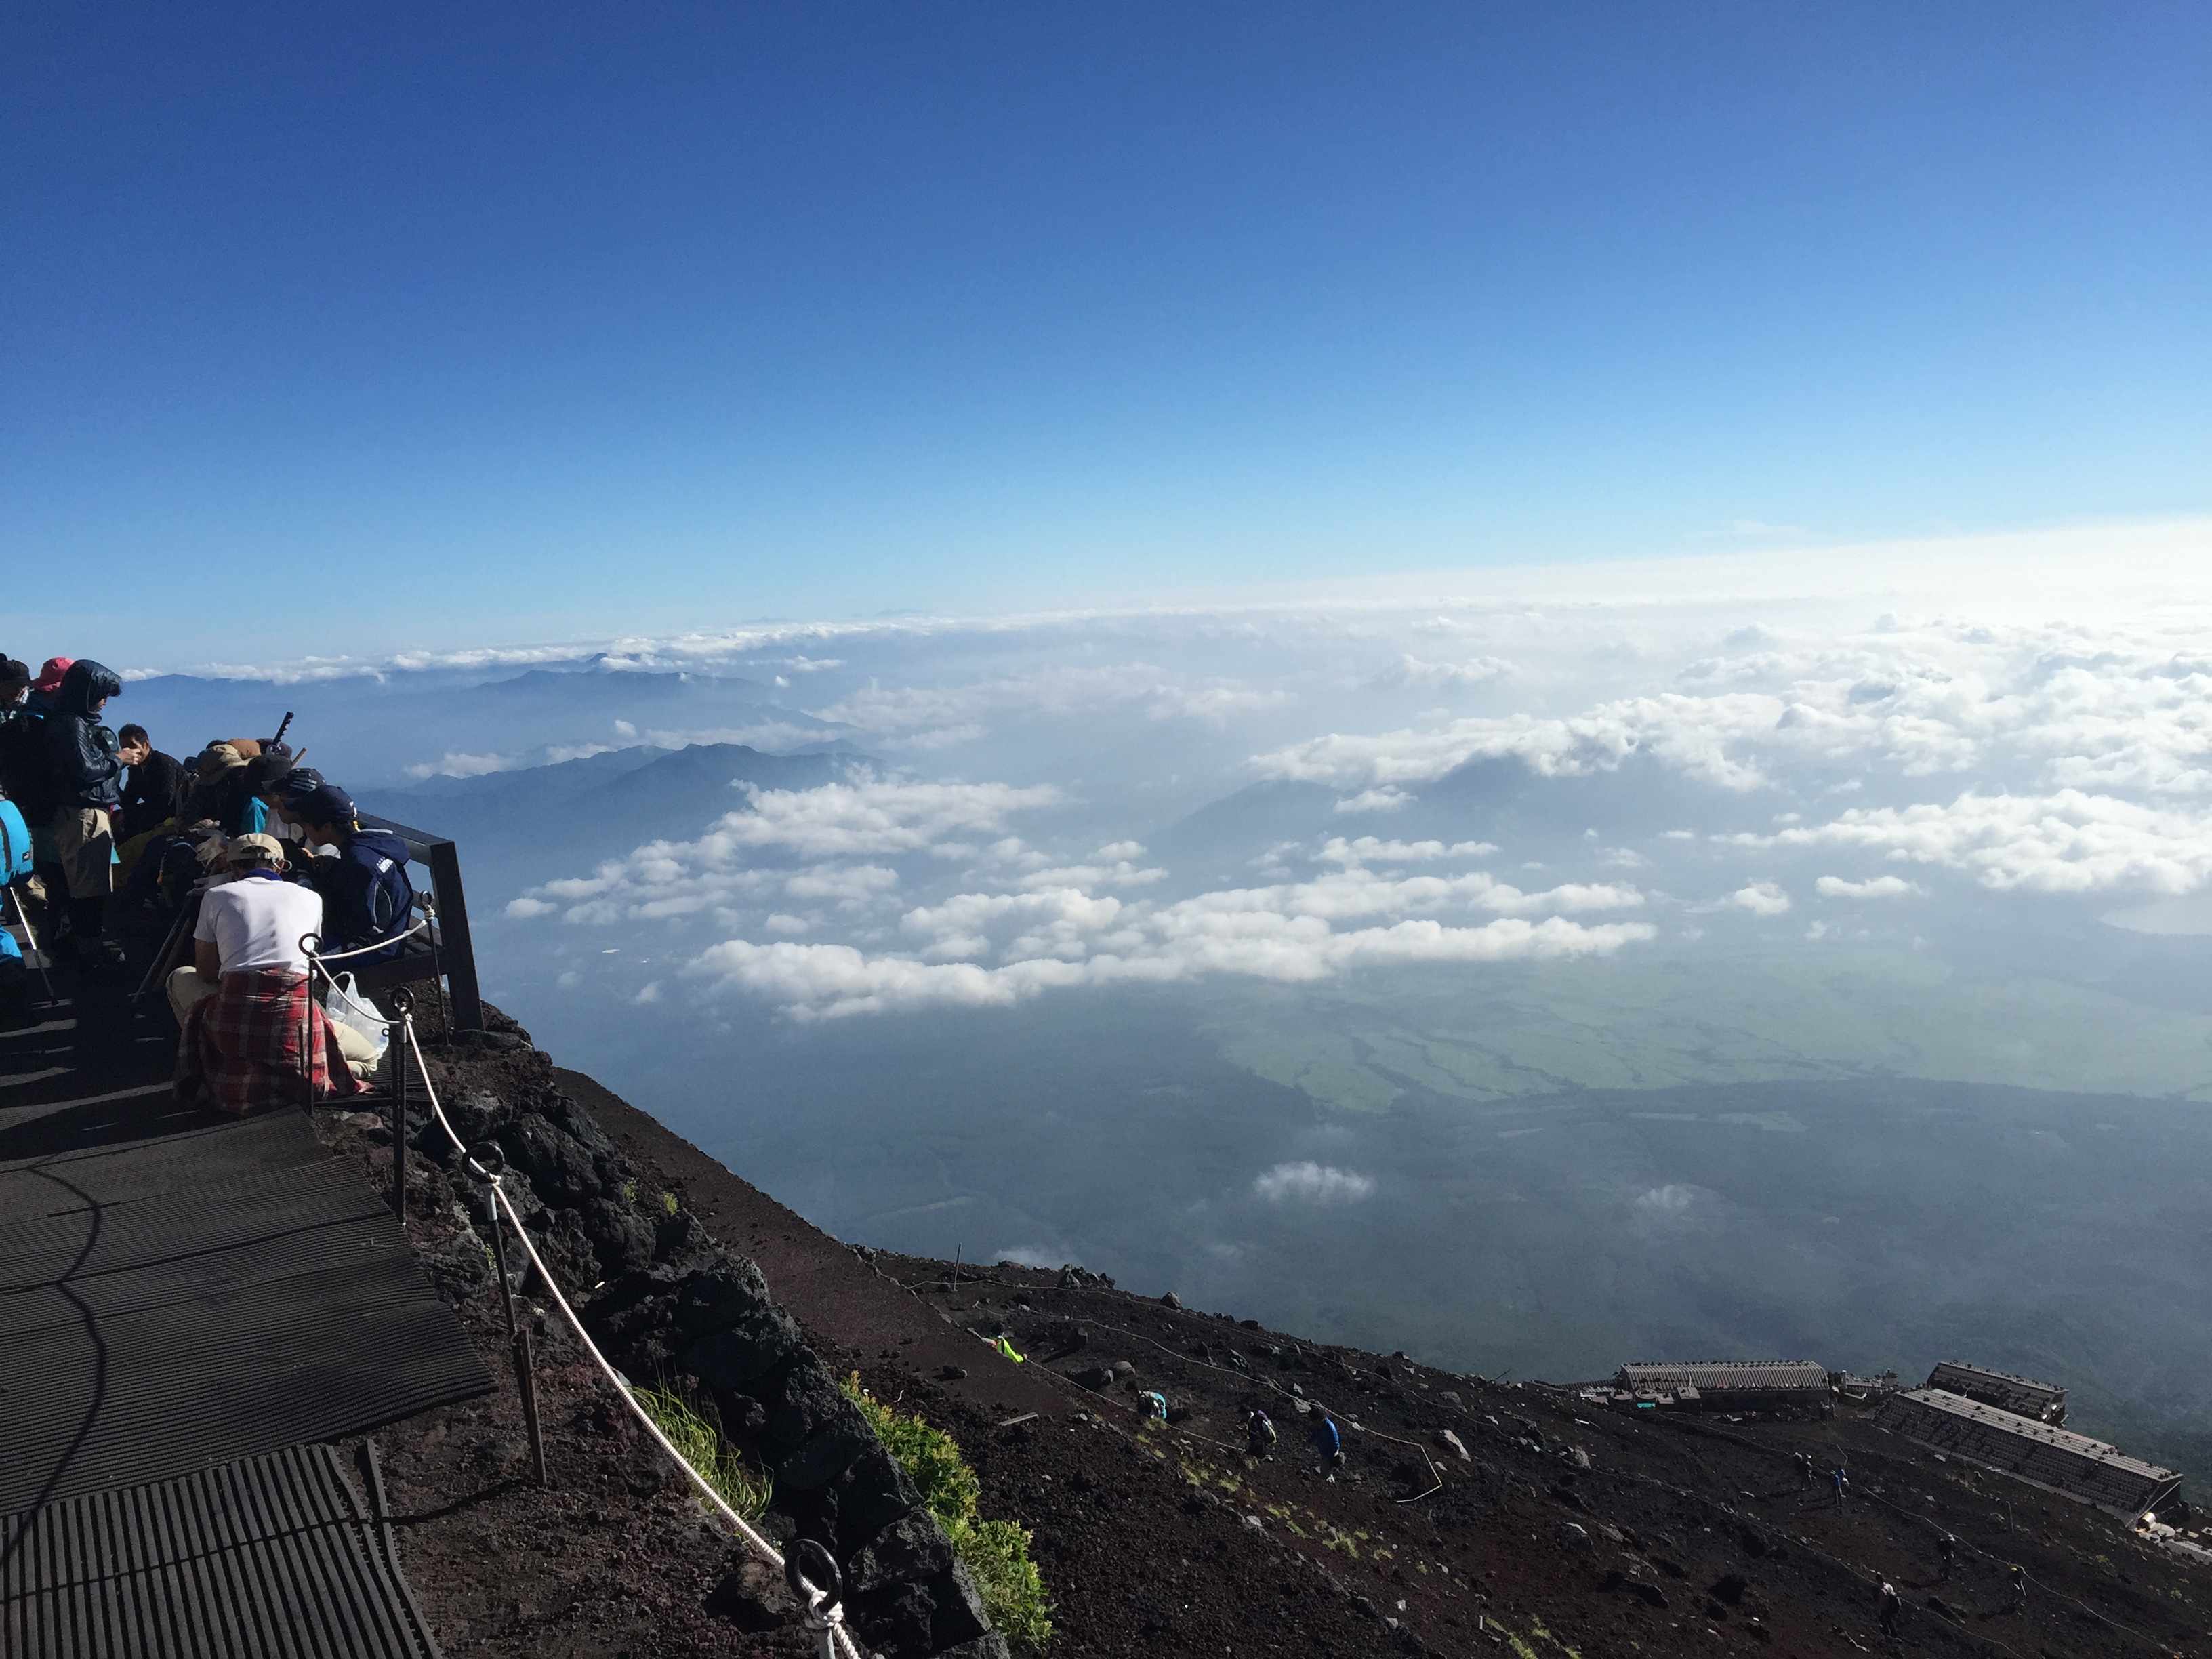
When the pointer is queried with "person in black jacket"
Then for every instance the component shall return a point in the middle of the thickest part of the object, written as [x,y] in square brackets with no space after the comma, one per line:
[85,765]
[154,787]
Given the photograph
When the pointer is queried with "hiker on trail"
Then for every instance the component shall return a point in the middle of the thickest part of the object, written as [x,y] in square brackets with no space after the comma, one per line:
[1259,1434]
[85,765]
[253,1035]
[1006,1350]
[1889,1604]
[2019,1587]
[1154,1405]
[1947,1547]
[368,898]
[1328,1443]
[1805,1471]
[1841,1480]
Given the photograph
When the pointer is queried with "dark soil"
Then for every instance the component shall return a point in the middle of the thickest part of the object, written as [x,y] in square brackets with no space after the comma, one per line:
[1561,1530]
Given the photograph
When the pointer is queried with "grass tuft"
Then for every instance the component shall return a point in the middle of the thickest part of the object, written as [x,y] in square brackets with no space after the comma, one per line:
[995,1553]
[699,1443]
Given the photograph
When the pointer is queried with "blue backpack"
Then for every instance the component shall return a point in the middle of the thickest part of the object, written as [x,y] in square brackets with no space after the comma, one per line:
[14,844]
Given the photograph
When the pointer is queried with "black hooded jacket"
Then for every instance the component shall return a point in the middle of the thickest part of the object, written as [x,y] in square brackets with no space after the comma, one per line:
[81,753]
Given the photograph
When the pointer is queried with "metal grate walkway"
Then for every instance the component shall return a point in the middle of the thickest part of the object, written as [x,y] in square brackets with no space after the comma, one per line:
[273,1557]
[216,1292]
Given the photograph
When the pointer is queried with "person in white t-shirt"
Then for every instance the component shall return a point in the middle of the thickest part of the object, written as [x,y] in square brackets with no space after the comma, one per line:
[252,922]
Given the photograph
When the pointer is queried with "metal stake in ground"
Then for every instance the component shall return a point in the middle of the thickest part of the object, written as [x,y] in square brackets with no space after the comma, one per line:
[403,1008]
[518,1337]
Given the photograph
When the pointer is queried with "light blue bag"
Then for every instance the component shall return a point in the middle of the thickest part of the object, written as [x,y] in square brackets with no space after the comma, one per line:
[14,844]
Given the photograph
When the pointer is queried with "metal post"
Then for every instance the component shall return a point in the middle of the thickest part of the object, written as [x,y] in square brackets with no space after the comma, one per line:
[453,933]
[517,1338]
[403,1005]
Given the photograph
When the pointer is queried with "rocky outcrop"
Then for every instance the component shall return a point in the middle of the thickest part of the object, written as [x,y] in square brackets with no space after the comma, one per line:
[663,1300]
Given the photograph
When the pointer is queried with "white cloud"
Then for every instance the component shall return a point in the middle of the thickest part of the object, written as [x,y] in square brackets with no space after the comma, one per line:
[1672,1199]
[456,765]
[1311,1184]
[1695,733]
[1087,875]
[936,715]
[1761,898]
[1367,849]
[1382,799]
[837,821]
[1477,670]
[1057,946]
[2064,842]
[2105,708]
[1878,887]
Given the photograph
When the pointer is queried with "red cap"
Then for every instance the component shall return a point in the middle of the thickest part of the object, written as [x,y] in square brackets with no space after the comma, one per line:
[50,677]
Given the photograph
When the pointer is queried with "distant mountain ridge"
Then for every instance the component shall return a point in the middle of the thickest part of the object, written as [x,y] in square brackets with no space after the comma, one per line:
[370,733]
[530,824]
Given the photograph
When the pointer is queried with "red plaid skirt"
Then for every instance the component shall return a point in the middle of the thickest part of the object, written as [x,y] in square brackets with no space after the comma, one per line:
[260,1041]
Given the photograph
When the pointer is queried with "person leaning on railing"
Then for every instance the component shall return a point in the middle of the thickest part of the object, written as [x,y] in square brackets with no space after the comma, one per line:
[367,897]
[253,1035]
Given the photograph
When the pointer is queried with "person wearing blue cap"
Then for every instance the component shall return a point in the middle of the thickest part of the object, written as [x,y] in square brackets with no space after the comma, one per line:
[368,898]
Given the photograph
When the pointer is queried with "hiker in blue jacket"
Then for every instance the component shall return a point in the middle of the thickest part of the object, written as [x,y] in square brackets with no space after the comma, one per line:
[1328,1444]
[85,764]
[367,897]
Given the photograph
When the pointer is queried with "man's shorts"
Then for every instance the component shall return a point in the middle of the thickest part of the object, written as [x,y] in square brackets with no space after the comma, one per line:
[85,839]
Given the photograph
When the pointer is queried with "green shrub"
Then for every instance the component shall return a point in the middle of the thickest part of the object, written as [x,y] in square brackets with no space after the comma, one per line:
[995,1553]
[700,1443]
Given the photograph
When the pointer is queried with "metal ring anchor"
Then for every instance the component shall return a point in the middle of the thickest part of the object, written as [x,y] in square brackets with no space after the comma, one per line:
[811,1573]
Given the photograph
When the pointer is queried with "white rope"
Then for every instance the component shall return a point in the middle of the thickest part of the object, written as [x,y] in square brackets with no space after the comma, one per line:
[380,945]
[834,1617]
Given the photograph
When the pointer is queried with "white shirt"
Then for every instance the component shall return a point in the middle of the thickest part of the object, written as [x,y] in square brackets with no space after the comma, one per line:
[255,922]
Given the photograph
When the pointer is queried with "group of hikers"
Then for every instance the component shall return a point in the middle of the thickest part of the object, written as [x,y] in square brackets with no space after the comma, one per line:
[252,857]
[1259,1436]
[1947,1547]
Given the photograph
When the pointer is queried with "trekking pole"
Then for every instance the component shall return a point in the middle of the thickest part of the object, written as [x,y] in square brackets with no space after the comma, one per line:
[159,968]
[23,921]
[518,1334]
[282,727]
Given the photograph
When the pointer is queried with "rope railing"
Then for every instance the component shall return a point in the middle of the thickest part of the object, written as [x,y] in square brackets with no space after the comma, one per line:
[824,1611]
[379,945]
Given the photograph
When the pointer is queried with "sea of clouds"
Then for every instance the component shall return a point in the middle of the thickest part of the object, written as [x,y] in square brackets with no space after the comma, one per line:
[2031,718]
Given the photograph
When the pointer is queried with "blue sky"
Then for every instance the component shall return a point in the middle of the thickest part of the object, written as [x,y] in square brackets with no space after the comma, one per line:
[602,318]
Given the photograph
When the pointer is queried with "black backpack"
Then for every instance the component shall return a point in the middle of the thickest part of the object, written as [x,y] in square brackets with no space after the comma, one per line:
[24,774]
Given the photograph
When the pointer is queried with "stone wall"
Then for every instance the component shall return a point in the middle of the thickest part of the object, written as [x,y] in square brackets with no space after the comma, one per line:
[663,1301]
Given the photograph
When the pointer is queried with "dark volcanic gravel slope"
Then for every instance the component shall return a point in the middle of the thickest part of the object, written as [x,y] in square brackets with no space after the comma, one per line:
[1560,1530]
[1546,1529]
